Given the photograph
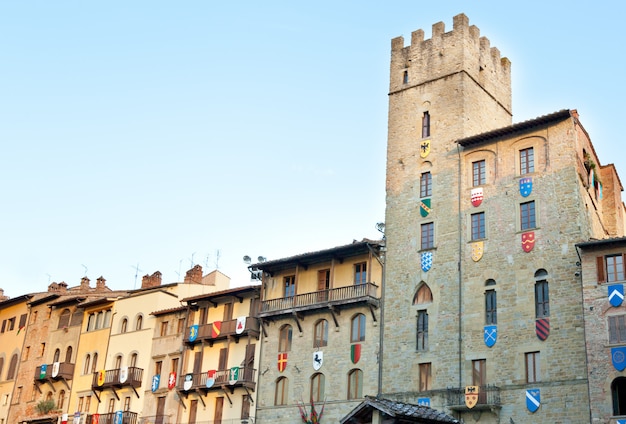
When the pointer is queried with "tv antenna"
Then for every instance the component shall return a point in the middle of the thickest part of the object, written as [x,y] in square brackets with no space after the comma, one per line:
[137,271]
[85,269]
[217,259]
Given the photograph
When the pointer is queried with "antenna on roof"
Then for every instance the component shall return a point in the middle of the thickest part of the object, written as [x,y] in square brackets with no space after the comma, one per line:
[85,269]
[137,271]
[217,259]
[191,259]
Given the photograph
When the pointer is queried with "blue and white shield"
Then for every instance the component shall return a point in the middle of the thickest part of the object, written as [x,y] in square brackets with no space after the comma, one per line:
[491,334]
[423,402]
[525,186]
[533,399]
[620,422]
[616,294]
[618,357]
[193,333]
[427,261]
[119,417]
[156,382]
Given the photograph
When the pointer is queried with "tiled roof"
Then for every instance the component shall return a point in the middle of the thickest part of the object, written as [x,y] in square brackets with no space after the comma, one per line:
[399,411]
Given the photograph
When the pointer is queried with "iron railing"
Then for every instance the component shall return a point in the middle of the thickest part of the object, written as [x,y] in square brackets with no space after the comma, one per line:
[115,378]
[65,370]
[488,395]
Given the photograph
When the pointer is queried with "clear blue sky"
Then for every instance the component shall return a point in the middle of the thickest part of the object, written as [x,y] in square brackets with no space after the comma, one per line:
[154,134]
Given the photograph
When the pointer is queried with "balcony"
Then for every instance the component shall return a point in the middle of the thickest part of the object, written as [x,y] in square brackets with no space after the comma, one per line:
[222,378]
[331,298]
[65,371]
[127,418]
[227,329]
[116,379]
[488,399]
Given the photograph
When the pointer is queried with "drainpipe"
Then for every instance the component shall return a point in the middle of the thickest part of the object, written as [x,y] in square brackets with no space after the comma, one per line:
[582,303]
[381,332]
[460,223]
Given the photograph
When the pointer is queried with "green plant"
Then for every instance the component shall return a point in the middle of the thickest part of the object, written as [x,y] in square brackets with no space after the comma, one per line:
[45,406]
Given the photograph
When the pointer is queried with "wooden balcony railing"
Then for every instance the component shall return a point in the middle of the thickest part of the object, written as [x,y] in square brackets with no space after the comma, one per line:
[221,377]
[65,371]
[115,378]
[488,398]
[321,299]
[228,328]
[110,418]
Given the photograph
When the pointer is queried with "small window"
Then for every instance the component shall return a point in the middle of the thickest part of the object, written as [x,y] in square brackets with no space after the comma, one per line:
[12,367]
[124,326]
[290,285]
[357,332]
[426,125]
[64,319]
[127,403]
[478,173]
[422,330]
[158,366]
[614,268]
[405,77]
[425,382]
[426,184]
[618,394]
[133,360]
[542,295]
[533,371]
[526,161]
[478,226]
[427,235]
[181,325]
[284,341]
[57,355]
[164,325]
[87,363]
[61,399]
[360,273]
[423,295]
[527,216]
[42,349]
[139,323]
[617,329]
[94,363]
[355,384]
[317,387]
[280,396]
[320,337]
[491,307]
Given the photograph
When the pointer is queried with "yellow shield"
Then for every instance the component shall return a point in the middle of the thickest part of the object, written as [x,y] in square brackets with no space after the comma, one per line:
[477,251]
[101,376]
[424,148]
[471,396]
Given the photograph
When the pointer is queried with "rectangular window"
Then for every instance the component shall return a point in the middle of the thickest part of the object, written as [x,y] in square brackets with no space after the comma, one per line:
[127,403]
[526,161]
[11,324]
[158,365]
[478,173]
[427,235]
[422,330]
[181,325]
[22,321]
[425,377]
[4,325]
[174,365]
[533,374]
[164,325]
[614,268]
[111,406]
[478,226]
[527,216]
[479,378]
[360,273]
[81,401]
[426,184]
[542,299]
[87,403]
[617,329]
[491,311]
[426,125]
[290,286]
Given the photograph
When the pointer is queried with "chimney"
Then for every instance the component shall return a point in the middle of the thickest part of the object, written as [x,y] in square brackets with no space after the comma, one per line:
[2,296]
[149,281]
[53,287]
[62,287]
[194,275]
[84,284]
[101,284]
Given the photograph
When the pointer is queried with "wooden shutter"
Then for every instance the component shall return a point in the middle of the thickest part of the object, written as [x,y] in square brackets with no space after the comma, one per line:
[600,269]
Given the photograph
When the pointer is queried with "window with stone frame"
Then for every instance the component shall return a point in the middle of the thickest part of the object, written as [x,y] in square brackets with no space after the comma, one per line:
[533,369]
[527,216]
[284,338]
[355,384]
[422,330]
[478,173]
[617,329]
[491,307]
[478,226]
[611,268]
[426,125]
[281,392]
[427,233]
[527,161]
[426,184]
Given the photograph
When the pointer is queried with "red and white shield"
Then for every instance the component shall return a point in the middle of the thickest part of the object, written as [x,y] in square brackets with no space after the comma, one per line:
[528,241]
[171,381]
[477,196]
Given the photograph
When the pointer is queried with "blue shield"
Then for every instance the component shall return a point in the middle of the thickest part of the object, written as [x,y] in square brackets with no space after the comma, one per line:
[616,294]
[525,186]
[119,417]
[621,421]
[618,357]
[491,334]
[423,402]
[533,399]
[156,381]
[427,261]
[193,333]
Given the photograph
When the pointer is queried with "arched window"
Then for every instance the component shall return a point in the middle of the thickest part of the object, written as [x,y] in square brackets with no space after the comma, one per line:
[91,322]
[317,387]
[94,367]
[107,318]
[64,318]
[57,355]
[618,393]
[282,387]
[61,400]
[133,360]
[87,361]
[423,295]
[542,295]
[320,333]
[284,341]
[68,355]
[12,367]
[99,318]
[118,362]
[491,304]
[49,396]
[124,326]
[355,384]
[357,332]
[139,322]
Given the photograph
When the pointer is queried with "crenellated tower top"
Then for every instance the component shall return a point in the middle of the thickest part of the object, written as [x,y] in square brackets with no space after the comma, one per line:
[448,53]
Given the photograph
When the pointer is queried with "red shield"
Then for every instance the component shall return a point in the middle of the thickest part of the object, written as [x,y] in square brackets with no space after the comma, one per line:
[528,241]
[282,361]
[477,196]
[355,353]
[216,329]
[542,328]
[171,381]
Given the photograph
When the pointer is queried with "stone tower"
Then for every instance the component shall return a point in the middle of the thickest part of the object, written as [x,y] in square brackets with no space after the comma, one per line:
[482,219]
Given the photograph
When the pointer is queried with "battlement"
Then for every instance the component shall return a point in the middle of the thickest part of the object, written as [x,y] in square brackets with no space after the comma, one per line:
[447,53]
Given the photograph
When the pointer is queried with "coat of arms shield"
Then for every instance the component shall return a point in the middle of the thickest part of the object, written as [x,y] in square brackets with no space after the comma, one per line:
[282,361]
[171,380]
[123,374]
[193,333]
[241,324]
[188,382]
[55,369]
[542,328]
[42,371]
[491,335]
[427,261]
[355,353]
[210,378]
[424,148]
[476,196]
[233,376]
[156,382]
[477,251]
[101,377]
[318,360]
[471,396]
[618,357]
[533,399]
[616,294]
[525,186]
[424,207]
[528,241]
[216,329]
